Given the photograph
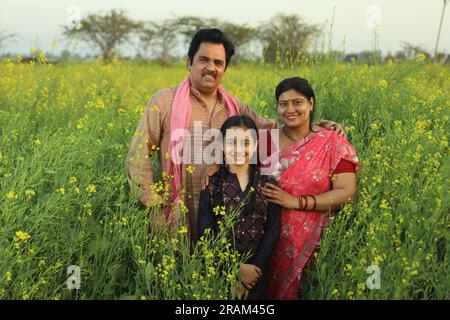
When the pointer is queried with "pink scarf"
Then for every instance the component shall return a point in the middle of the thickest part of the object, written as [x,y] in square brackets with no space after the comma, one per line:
[179,119]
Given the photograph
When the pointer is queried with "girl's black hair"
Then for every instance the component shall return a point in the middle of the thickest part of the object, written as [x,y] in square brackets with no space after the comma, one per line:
[217,196]
[300,85]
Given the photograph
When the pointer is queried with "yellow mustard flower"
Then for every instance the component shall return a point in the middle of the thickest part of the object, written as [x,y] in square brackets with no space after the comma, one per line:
[91,188]
[383,84]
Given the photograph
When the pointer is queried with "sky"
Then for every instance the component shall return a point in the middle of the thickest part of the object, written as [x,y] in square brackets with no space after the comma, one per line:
[412,21]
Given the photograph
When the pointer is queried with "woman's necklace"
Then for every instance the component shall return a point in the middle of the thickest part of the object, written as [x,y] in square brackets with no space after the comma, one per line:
[290,138]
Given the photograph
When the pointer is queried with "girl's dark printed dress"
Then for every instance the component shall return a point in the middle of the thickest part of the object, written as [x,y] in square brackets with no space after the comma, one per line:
[256,230]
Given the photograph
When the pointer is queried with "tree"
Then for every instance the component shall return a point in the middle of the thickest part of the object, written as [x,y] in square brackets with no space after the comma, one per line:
[370,57]
[5,37]
[106,31]
[165,41]
[146,38]
[240,35]
[412,52]
[400,56]
[187,26]
[285,37]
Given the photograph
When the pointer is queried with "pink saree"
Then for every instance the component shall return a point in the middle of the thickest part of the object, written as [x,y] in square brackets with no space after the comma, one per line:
[304,168]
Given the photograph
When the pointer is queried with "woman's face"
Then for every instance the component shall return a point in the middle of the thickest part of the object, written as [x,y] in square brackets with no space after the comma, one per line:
[294,108]
[239,145]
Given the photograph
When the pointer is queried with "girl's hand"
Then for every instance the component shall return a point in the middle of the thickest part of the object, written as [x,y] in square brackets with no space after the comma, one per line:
[240,291]
[249,275]
[278,196]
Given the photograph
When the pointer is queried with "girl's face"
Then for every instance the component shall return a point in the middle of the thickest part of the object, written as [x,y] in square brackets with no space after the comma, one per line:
[239,145]
[294,108]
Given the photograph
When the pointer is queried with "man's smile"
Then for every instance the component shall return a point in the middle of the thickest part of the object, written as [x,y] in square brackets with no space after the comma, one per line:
[209,75]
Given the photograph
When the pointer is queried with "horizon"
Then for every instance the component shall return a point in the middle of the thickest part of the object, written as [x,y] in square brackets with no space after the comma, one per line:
[41,22]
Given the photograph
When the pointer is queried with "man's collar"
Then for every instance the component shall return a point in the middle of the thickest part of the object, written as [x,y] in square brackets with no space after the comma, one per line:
[196,93]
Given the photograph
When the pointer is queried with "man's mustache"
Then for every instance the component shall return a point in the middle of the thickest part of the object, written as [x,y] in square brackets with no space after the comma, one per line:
[209,73]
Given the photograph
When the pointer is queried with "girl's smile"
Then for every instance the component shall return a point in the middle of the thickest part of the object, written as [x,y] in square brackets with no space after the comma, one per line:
[239,145]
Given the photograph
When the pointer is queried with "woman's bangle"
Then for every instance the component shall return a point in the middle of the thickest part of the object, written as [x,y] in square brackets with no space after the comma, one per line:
[303,203]
[315,203]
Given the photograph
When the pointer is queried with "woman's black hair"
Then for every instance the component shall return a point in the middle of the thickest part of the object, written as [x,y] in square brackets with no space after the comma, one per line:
[212,35]
[217,196]
[300,85]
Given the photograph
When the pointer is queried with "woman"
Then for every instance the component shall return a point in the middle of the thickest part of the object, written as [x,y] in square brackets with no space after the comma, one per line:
[316,174]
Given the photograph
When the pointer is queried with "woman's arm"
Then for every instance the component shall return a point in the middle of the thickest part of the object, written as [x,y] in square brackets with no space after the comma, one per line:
[344,191]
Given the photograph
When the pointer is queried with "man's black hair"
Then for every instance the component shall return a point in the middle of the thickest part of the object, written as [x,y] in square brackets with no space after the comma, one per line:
[212,35]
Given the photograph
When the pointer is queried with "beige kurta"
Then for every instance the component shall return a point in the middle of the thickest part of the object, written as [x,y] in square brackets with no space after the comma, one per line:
[154,130]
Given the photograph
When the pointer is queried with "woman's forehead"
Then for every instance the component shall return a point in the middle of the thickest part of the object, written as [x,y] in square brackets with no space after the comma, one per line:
[291,94]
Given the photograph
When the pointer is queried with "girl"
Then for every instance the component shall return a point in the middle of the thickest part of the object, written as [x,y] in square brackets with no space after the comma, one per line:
[258,224]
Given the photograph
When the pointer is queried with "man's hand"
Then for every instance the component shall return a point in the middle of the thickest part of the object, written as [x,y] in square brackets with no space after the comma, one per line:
[208,172]
[163,219]
[151,200]
[333,126]
[249,275]
[174,220]
[158,223]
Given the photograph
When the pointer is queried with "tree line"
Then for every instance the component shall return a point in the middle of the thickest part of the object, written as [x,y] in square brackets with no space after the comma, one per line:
[285,39]
[285,35]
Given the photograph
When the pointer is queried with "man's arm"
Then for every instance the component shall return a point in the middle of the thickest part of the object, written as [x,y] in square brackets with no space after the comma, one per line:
[328,124]
[261,122]
[145,141]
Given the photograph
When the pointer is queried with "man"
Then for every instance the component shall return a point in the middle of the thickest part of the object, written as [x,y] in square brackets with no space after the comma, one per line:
[197,103]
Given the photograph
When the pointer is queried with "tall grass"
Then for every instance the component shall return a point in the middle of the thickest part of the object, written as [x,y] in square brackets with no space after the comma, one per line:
[64,199]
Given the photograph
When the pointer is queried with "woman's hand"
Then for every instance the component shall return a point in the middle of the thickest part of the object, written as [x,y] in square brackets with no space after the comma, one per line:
[249,275]
[327,124]
[278,196]
[208,172]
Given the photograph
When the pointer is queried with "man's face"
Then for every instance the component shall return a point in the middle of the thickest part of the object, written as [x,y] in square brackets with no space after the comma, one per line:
[208,67]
